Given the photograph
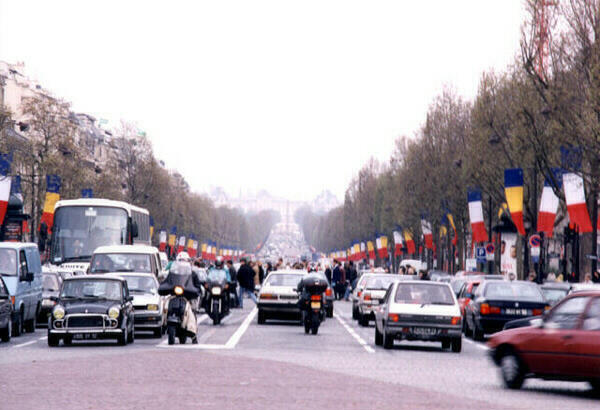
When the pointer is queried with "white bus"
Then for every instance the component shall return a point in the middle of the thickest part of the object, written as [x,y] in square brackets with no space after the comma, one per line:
[82,225]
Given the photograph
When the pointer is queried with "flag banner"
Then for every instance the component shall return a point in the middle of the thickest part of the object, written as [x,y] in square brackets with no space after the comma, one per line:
[397,242]
[203,251]
[549,204]
[371,250]
[5,184]
[427,233]
[181,244]
[382,243]
[363,250]
[208,251]
[476,216]
[173,237]
[513,189]
[213,255]
[190,246]
[356,251]
[576,206]
[151,228]
[52,197]
[162,241]
[410,242]
[15,186]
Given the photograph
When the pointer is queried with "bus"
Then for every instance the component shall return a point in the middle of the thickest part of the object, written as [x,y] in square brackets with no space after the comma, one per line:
[82,225]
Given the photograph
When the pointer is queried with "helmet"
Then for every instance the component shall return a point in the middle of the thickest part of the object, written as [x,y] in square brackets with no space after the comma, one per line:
[183,257]
[219,262]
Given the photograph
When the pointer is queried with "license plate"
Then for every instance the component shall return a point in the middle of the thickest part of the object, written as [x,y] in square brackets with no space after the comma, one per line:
[216,291]
[425,331]
[85,336]
[521,312]
[315,305]
[374,301]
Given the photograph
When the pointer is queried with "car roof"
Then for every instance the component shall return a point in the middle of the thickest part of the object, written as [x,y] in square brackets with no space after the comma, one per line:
[17,245]
[556,285]
[105,277]
[289,272]
[426,282]
[143,249]
[585,293]
[126,274]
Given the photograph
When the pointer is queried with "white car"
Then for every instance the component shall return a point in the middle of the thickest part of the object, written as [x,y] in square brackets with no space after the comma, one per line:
[370,296]
[419,310]
[126,258]
[279,295]
[148,312]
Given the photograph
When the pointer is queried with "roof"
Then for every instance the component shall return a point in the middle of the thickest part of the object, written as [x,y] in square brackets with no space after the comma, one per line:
[94,277]
[17,245]
[289,272]
[427,282]
[127,274]
[143,249]
[98,202]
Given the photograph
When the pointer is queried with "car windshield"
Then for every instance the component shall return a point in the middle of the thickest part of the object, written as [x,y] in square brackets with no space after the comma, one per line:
[513,291]
[121,262]
[91,288]
[142,284]
[423,293]
[283,280]
[50,283]
[8,262]
[554,295]
[380,282]
[457,285]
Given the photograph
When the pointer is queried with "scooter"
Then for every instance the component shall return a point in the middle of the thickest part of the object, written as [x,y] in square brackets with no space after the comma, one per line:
[311,303]
[217,303]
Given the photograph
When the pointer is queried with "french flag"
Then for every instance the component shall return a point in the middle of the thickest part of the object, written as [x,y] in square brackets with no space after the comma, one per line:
[363,251]
[5,182]
[513,189]
[53,184]
[576,206]
[427,233]
[181,244]
[397,242]
[476,216]
[549,205]
[371,249]
[162,241]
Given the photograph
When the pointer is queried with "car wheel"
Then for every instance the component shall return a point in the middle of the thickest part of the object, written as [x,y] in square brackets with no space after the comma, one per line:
[457,345]
[131,335]
[378,336]
[53,340]
[68,340]
[5,334]
[171,334]
[31,324]
[388,342]
[445,344]
[18,325]
[261,317]
[355,313]
[364,320]
[512,371]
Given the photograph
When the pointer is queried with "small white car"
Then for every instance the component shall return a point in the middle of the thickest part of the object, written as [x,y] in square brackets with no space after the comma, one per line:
[279,295]
[126,258]
[419,310]
[370,296]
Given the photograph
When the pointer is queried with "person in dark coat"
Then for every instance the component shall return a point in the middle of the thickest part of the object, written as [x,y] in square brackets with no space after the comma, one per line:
[233,286]
[351,277]
[328,273]
[337,278]
[245,277]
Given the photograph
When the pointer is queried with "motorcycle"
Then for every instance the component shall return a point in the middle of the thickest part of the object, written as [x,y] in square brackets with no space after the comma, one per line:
[311,302]
[181,320]
[217,303]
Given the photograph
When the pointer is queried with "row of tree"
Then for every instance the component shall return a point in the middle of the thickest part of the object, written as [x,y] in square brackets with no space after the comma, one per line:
[52,142]
[520,117]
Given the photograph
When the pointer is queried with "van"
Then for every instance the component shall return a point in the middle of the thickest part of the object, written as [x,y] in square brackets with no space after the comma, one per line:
[21,269]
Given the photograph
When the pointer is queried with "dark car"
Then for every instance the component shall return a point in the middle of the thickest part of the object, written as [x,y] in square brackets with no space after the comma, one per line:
[51,282]
[92,307]
[561,346]
[5,313]
[496,302]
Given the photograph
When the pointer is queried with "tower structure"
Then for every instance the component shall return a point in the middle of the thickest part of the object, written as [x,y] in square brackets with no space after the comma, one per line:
[542,40]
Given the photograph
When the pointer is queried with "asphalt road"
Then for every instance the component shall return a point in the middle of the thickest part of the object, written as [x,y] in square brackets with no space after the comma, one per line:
[243,365]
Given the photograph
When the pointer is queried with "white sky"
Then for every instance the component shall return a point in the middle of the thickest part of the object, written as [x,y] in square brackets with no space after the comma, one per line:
[289,96]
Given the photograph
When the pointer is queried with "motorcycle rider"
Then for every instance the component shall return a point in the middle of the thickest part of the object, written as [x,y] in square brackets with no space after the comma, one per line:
[233,284]
[186,258]
[218,272]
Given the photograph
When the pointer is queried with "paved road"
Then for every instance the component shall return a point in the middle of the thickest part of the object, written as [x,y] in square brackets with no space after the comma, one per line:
[243,365]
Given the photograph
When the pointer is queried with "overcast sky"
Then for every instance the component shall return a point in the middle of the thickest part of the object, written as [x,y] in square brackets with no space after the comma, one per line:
[288,96]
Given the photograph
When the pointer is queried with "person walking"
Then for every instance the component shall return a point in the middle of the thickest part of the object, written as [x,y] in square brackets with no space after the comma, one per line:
[336,278]
[233,276]
[328,273]
[245,277]
[351,276]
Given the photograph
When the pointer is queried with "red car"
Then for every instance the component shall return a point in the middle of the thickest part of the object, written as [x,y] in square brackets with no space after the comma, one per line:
[564,345]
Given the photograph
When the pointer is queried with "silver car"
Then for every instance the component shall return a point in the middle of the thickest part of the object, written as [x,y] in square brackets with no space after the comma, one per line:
[419,310]
[371,295]
[278,295]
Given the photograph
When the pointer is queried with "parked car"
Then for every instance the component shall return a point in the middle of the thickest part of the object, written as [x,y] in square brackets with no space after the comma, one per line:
[5,313]
[563,345]
[355,295]
[148,311]
[278,296]
[498,302]
[126,258]
[51,282]
[419,310]
[372,294]
[21,269]
[92,307]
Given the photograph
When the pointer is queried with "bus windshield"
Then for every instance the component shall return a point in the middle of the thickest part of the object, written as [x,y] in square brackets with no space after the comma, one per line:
[79,230]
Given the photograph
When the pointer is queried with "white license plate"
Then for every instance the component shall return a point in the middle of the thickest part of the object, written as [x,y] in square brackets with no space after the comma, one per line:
[521,312]
[85,336]
[374,302]
[425,331]
[315,305]
[216,291]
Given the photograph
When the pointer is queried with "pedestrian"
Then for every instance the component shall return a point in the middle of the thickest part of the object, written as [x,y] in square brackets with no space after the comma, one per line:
[423,275]
[328,273]
[351,276]
[261,272]
[596,277]
[233,276]
[560,278]
[587,278]
[402,270]
[531,277]
[245,276]
[336,279]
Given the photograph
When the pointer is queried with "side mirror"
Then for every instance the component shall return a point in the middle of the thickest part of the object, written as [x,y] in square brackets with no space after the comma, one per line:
[134,229]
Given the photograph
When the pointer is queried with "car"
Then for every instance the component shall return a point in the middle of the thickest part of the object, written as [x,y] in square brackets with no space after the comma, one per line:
[463,273]
[560,346]
[439,276]
[419,310]
[465,296]
[148,312]
[5,313]
[21,269]
[372,294]
[92,307]
[495,303]
[554,292]
[582,287]
[355,295]
[126,258]
[278,296]
[51,282]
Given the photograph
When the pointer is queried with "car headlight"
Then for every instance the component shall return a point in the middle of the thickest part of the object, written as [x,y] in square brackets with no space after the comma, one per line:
[58,312]
[178,290]
[113,312]
[152,307]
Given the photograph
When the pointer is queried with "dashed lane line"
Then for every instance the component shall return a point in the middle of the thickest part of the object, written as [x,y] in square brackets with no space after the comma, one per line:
[355,335]
[26,343]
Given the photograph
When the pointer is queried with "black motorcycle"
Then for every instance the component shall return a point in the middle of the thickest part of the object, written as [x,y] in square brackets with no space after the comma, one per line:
[217,299]
[312,304]
[179,284]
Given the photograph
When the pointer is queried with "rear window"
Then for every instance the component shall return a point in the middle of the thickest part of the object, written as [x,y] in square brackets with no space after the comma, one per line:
[380,282]
[422,293]
[283,280]
[513,291]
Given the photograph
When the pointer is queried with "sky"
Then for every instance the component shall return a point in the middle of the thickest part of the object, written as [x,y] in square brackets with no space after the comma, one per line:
[288,96]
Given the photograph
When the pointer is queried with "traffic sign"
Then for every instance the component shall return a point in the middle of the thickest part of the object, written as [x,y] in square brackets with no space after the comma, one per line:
[490,248]
[535,241]
[480,253]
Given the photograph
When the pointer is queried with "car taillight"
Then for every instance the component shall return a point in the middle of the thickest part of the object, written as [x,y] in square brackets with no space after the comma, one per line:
[268,296]
[367,296]
[359,293]
[536,312]
[495,310]
[328,292]
[456,320]
[393,317]
[315,297]
[484,309]
[547,308]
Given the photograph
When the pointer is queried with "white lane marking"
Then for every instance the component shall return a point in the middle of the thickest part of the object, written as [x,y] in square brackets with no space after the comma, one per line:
[478,345]
[202,318]
[235,338]
[355,335]
[26,343]
[43,338]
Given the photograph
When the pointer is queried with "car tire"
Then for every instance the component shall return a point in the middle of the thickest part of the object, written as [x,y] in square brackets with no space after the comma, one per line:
[354,313]
[457,345]
[378,336]
[445,344]
[171,334]
[363,320]
[261,317]
[388,342]
[511,370]
[53,340]
[466,329]
[18,325]
[5,334]
[131,337]
[30,324]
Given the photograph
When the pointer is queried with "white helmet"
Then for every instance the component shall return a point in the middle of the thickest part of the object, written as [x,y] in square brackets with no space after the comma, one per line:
[183,257]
